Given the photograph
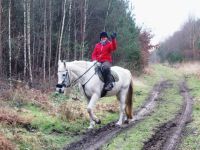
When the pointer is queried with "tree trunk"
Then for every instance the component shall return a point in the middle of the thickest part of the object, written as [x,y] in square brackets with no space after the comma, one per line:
[75,32]
[50,34]
[57,47]
[25,37]
[1,49]
[69,29]
[45,40]
[9,41]
[62,29]
[107,13]
[29,40]
[81,26]
[38,55]
[33,35]
[34,50]
[84,28]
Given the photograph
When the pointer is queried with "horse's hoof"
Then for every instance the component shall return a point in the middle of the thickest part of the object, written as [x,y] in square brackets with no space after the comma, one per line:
[90,127]
[134,119]
[98,121]
[118,124]
[126,121]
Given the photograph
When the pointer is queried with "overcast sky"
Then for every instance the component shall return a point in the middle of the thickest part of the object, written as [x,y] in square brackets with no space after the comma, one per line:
[164,17]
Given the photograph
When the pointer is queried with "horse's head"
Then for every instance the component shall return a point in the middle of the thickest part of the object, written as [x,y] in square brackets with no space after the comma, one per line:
[63,77]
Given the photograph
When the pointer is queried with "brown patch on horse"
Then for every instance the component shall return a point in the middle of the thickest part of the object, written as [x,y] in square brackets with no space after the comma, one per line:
[129,102]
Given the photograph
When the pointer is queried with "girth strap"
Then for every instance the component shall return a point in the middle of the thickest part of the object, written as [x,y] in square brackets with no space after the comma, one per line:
[103,92]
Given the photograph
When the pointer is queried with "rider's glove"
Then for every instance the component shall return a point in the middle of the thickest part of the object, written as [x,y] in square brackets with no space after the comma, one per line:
[113,36]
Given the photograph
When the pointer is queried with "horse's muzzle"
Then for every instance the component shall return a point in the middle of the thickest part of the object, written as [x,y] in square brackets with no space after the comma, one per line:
[60,88]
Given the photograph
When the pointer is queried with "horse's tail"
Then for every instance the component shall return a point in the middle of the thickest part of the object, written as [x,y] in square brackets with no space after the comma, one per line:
[129,102]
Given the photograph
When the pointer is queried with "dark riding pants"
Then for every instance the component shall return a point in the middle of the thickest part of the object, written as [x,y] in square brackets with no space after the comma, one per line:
[106,72]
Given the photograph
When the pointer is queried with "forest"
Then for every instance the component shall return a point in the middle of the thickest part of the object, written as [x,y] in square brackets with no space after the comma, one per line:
[183,45]
[35,34]
[154,102]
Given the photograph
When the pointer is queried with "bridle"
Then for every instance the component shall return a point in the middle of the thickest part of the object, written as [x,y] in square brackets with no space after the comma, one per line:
[67,76]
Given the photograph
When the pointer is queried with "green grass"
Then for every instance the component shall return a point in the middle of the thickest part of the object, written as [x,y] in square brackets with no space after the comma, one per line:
[43,121]
[168,106]
[159,73]
[37,140]
[51,132]
[47,123]
[58,98]
[191,140]
[48,132]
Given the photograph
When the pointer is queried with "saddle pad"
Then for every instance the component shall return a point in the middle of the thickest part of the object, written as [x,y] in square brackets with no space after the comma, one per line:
[113,73]
[115,76]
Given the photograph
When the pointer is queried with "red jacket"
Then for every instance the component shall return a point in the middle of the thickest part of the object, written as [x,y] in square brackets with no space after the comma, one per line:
[103,53]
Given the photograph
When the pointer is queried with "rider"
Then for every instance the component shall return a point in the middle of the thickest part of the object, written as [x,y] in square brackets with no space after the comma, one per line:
[102,53]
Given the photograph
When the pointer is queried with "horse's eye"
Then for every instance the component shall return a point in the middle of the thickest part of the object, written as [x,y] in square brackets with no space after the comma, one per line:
[64,75]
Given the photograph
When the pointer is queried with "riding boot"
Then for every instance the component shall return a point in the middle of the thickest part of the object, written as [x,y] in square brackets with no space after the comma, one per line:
[108,81]
[108,84]
[107,76]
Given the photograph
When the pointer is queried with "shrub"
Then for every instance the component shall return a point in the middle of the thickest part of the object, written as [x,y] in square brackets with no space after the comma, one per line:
[174,57]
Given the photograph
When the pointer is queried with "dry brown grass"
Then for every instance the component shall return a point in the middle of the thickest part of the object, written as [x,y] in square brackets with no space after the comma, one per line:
[11,117]
[147,70]
[23,95]
[72,110]
[112,108]
[5,144]
[68,110]
[190,68]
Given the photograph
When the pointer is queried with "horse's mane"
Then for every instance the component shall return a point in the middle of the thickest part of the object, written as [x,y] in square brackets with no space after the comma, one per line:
[82,63]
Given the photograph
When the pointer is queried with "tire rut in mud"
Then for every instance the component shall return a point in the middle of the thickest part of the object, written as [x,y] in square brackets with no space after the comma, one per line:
[168,135]
[95,138]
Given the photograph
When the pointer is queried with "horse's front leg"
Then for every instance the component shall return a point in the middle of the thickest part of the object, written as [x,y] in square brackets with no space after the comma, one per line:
[90,107]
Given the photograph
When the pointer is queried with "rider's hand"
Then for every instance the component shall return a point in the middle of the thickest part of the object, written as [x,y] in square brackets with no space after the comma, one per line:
[113,35]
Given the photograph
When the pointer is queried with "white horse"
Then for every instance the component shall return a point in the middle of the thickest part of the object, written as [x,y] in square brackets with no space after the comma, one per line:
[83,72]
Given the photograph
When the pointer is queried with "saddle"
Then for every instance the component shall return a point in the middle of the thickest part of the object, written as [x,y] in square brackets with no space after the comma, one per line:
[99,72]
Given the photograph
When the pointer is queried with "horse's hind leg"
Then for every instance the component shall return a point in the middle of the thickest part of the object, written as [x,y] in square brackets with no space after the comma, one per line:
[122,99]
[93,118]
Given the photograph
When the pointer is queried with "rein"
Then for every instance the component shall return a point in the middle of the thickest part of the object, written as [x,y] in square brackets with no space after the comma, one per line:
[75,81]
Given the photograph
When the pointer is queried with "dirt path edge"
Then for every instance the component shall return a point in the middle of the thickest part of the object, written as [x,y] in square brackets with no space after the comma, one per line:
[168,135]
[94,139]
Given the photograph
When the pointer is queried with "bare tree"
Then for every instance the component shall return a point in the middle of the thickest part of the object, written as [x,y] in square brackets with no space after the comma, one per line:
[45,40]
[62,29]
[29,39]
[1,49]
[50,34]
[84,28]
[69,28]
[9,40]
[34,26]
[75,31]
[25,37]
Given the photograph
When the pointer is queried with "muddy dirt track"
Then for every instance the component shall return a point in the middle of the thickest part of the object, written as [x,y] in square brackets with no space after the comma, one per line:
[94,139]
[168,136]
